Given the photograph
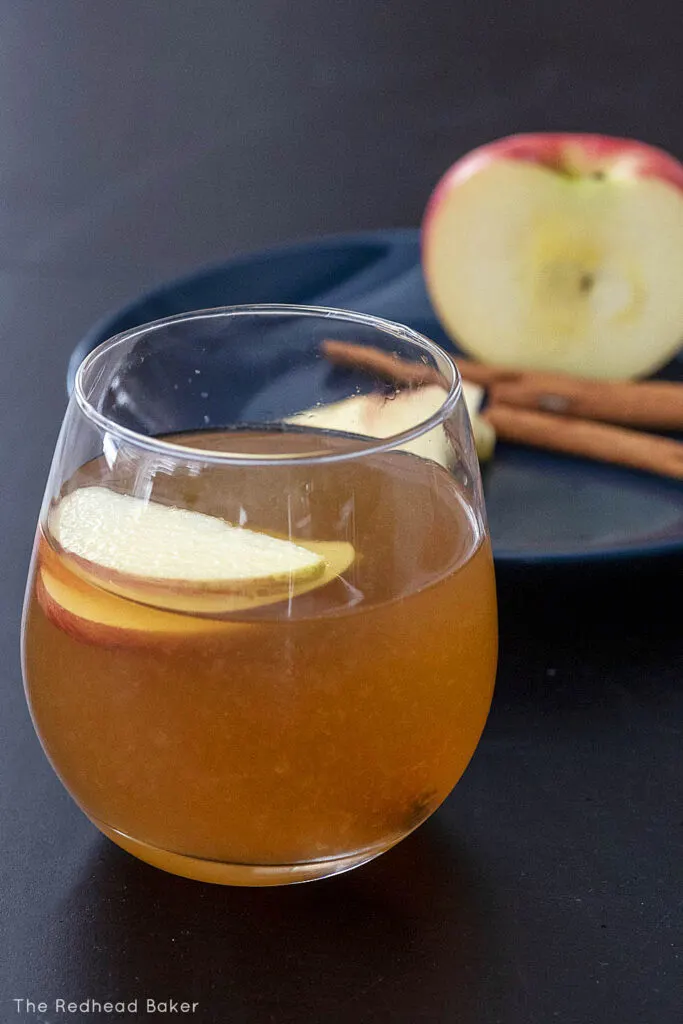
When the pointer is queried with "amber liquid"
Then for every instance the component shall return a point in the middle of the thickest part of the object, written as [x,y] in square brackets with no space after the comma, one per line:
[311,733]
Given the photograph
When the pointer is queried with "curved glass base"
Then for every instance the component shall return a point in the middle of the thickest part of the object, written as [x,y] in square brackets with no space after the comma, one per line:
[239,874]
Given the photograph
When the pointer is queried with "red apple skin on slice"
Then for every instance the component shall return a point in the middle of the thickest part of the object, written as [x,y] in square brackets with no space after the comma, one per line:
[91,615]
[560,252]
[179,596]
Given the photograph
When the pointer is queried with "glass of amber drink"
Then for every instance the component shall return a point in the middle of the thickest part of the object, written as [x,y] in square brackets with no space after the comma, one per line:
[260,629]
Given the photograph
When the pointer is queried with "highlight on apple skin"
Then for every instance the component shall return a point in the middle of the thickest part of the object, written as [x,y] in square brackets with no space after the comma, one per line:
[560,251]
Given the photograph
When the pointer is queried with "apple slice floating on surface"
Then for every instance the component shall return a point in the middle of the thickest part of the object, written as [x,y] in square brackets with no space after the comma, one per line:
[376,416]
[181,560]
[560,252]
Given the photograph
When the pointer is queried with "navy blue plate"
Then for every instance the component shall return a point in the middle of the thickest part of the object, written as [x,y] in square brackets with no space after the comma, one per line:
[542,507]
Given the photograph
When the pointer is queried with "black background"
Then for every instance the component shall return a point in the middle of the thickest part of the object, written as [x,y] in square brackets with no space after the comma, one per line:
[141,139]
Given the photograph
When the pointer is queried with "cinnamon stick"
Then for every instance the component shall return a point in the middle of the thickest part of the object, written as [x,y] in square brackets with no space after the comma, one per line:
[654,404]
[590,440]
[382,364]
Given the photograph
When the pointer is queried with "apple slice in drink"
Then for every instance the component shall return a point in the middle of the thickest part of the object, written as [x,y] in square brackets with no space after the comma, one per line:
[91,615]
[184,561]
[560,252]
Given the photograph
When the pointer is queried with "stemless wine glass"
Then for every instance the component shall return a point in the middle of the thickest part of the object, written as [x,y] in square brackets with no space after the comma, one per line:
[260,628]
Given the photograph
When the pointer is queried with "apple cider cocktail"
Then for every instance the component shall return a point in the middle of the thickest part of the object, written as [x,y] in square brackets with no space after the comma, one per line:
[259,672]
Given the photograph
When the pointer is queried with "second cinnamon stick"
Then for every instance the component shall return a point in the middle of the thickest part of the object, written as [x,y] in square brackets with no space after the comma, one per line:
[587,439]
[656,404]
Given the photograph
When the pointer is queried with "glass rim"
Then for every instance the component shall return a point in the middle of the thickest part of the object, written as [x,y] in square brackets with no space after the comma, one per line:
[186,453]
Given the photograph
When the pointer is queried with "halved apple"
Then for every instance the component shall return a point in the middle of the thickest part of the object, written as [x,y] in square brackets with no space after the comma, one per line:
[374,415]
[180,560]
[560,252]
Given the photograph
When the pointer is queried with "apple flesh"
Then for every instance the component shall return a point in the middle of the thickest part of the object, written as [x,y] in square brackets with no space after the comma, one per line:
[560,252]
[374,415]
